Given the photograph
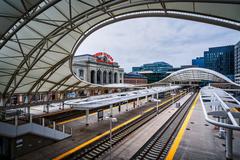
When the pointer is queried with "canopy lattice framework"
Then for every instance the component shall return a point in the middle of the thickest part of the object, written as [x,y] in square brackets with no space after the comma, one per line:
[39,37]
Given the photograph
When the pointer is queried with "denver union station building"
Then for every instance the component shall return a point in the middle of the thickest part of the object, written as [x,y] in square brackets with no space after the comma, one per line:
[99,68]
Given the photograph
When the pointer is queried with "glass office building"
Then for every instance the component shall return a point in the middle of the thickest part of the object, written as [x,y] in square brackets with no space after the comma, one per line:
[220,59]
[237,62]
[198,62]
[156,67]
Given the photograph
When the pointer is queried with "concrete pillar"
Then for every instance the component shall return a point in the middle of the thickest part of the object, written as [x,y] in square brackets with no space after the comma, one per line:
[44,108]
[107,77]
[229,151]
[47,107]
[63,128]
[119,107]
[138,102]
[95,76]
[146,97]
[43,122]
[87,114]
[16,120]
[101,78]
[54,125]
[229,136]
[127,106]
[63,106]
[111,110]
[30,118]
[118,77]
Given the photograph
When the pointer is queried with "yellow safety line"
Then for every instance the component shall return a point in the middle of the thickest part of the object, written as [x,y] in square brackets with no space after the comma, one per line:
[94,139]
[179,136]
[102,135]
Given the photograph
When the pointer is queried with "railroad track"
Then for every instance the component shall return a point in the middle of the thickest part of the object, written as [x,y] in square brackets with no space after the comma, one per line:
[157,147]
[97,149]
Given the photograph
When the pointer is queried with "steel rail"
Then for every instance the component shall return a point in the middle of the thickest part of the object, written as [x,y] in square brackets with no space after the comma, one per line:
[97,149]
[158,145]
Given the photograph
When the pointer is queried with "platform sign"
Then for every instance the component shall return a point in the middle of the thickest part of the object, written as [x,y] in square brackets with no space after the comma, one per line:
[100,114]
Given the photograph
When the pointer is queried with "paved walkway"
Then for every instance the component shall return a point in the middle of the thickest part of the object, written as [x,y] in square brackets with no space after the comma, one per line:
[82,133]
[200,140]
[129,146]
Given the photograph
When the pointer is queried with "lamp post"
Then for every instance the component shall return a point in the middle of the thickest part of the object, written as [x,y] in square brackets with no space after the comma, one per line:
[173,94]
[156,100]
[111,120]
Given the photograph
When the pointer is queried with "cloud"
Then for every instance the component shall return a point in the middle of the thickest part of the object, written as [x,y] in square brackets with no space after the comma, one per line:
[143,40]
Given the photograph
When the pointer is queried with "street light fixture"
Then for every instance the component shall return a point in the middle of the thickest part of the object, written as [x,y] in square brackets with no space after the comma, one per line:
[173,94]
[156,100]
[111,120]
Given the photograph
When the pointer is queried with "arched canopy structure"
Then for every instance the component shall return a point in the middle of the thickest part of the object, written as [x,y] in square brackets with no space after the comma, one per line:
[197,75]
[39,37]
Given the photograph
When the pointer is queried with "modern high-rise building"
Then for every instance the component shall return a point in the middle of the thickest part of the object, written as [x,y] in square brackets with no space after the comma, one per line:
[198,62]
[237,62]
[156,67]
[220,59]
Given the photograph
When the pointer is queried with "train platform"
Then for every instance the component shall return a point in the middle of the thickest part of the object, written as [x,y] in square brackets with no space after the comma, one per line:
[83,133]
[131,144]
[200,140]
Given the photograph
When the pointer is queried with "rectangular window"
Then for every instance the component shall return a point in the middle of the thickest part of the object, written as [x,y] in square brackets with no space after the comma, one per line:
[81,72]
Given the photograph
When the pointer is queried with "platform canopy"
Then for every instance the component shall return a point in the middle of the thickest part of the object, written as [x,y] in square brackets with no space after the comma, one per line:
[197,75]
[40,37]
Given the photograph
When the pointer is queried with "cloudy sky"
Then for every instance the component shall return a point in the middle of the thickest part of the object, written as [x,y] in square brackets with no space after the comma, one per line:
[144,40]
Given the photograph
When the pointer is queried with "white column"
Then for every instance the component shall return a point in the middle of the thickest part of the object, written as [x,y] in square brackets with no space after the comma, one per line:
[138,102]
[30,120]
[16,120]
[43,122]
[87,114]
[95,76]
[54,125]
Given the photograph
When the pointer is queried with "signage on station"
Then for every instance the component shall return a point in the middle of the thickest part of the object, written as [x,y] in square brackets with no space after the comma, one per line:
[103,58]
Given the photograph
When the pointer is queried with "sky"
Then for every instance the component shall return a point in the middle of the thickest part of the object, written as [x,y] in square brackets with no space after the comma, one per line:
[145,40]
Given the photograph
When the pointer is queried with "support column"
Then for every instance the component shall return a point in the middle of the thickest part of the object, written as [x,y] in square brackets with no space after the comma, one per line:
[138,102]
[146,99]
[107,77]
[30,118]
[43,122]
[16,120]
[112,76]
[127,106]
[119,108]
[101,78]
[47,107]
[157,103]
[229,137]
[95,76]
[87,114]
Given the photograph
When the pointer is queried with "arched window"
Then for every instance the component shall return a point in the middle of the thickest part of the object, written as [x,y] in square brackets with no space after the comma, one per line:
[115,77]
[92,76]
[99,74]
[104,77]
[110,77]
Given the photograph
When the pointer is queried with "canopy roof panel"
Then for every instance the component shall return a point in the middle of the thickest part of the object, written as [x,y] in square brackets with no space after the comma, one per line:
[39,37]
[197,75]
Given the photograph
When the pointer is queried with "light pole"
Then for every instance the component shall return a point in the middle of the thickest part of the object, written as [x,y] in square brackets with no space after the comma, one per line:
[111,120]
[173,94]
[156,100]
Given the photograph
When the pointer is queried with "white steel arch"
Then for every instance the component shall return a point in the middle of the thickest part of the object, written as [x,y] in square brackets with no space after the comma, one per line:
[197,75]
[39,37]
